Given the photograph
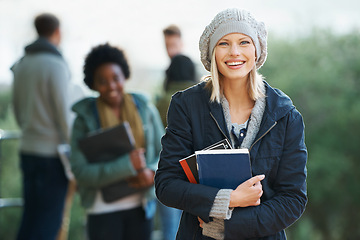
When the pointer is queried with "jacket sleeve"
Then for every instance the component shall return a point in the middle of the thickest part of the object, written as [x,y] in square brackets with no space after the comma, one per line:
[289,198]
[155,132]
[96,174]
[172,187]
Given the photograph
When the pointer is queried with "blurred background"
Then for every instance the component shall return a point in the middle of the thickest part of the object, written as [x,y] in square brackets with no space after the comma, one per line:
[314,57]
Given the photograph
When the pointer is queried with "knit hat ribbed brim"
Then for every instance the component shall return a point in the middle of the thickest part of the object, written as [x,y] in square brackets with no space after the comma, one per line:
[233,21]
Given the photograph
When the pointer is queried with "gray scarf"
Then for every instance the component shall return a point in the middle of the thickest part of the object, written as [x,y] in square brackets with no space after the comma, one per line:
[255,119]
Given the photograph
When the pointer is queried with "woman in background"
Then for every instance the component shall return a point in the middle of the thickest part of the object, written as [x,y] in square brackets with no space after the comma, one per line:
[235,103]
[106,70]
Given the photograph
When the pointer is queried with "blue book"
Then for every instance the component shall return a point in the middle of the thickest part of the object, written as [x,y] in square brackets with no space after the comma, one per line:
[223,168]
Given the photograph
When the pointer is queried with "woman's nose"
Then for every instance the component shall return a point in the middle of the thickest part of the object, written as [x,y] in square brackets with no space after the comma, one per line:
[112,85]
[235,50]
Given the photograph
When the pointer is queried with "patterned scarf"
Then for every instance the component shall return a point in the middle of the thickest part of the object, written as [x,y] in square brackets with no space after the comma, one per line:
[128,112]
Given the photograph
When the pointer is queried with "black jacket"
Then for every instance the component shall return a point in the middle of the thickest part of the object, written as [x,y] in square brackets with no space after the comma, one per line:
[278,151]
[181,69]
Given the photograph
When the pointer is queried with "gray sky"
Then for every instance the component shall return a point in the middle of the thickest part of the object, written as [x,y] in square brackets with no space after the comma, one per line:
[136,26]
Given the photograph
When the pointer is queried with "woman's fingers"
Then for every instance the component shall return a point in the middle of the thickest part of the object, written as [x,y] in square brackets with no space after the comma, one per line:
[254,180]
[247,193]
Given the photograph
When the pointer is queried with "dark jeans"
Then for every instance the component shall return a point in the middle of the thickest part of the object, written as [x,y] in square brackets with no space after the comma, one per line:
[121,225]
[44,191]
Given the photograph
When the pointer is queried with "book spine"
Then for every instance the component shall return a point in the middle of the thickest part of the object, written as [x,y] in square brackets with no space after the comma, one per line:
[187,171]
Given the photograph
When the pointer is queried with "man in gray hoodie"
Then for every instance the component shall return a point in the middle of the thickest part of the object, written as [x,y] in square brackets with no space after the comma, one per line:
[42,110]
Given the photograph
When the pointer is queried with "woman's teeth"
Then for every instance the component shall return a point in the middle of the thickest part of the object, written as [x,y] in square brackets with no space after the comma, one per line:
[234,63]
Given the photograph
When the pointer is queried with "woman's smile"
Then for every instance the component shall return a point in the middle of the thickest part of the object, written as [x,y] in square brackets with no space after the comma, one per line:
[113,94]
[234,64]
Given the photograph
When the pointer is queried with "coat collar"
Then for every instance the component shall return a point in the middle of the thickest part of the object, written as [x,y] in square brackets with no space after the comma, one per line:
[86,108]
[277,106]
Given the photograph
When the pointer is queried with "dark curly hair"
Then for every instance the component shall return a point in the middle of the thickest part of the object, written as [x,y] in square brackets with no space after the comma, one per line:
[101,54]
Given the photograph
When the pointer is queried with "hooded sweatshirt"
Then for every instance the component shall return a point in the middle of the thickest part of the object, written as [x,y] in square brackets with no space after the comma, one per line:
[40,98]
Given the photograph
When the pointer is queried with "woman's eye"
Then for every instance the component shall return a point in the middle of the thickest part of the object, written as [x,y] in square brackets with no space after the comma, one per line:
[244,42]
[223,44]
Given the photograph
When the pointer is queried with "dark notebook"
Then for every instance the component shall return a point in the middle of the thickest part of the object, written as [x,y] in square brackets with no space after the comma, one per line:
[189,164]
[224,169]
[106,145]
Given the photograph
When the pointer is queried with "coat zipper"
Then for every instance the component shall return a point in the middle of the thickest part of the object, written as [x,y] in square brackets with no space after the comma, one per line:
[262,136]
[217,124]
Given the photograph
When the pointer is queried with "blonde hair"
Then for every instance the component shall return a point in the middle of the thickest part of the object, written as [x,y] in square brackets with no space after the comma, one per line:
[254,83]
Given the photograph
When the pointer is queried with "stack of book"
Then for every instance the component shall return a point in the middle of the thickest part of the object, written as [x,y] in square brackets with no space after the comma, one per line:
[218,166]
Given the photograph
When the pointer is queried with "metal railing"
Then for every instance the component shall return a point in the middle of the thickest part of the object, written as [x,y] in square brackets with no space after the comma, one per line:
[6,135]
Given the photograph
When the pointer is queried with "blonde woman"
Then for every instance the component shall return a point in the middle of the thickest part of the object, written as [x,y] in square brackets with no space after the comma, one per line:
[235,103]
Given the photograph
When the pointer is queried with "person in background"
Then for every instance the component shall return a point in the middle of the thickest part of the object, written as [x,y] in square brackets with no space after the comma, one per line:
[180,75]
[106,70]
[237,104]
[181,72]
[42,111]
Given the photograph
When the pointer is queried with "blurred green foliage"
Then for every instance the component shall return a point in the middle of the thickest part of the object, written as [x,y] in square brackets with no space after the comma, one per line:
[321,73]
[9,171]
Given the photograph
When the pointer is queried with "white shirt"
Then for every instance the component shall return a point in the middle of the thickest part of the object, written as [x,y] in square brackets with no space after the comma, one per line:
[126,203]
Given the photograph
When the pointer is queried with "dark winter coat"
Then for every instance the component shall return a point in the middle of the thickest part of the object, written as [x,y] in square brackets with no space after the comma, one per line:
[278,151]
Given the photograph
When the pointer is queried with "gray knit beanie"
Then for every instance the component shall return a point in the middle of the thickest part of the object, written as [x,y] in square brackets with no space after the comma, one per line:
[233,21]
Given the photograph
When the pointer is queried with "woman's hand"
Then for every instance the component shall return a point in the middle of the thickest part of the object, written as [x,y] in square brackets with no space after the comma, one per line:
[145,178]
[248,193]
[138,159]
